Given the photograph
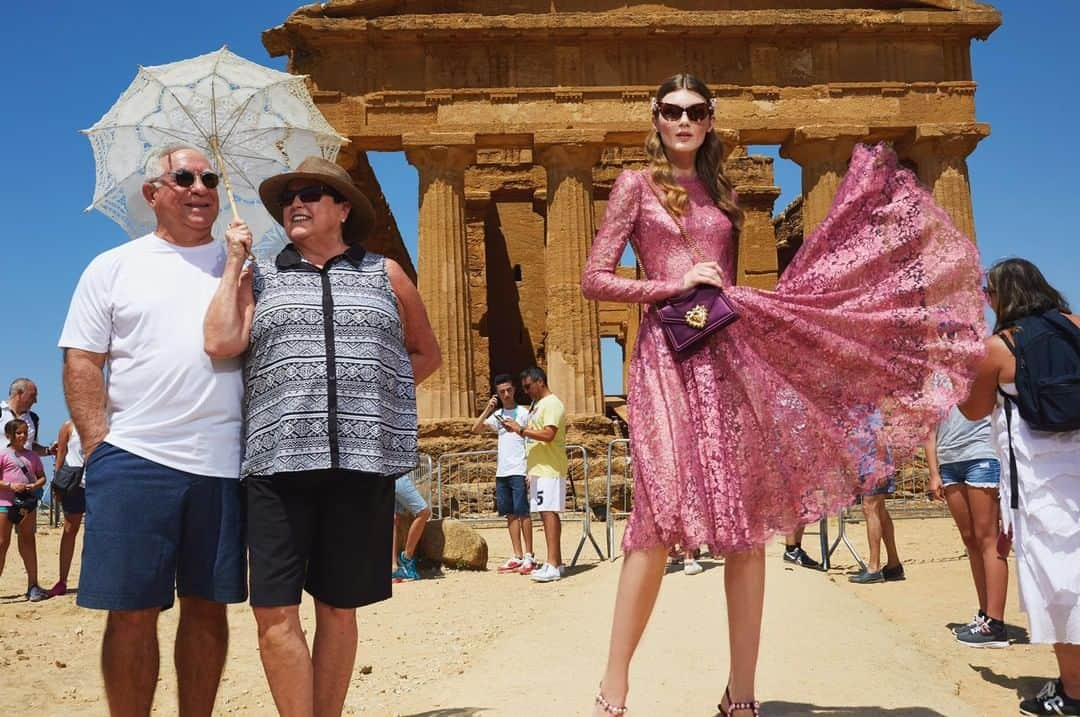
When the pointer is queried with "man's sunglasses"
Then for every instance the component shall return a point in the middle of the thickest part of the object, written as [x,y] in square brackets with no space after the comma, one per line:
[673,113]
[309,195]
[186,178]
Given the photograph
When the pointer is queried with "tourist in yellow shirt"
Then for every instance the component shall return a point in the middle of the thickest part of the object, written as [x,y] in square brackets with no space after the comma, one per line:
[545,444]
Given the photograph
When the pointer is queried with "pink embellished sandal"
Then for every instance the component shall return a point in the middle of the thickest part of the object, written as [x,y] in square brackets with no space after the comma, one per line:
[753,706]
[609,708]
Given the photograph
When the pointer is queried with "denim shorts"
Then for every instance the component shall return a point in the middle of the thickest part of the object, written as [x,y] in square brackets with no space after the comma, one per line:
[511,497]
[153,532]
[980,473]
[407,499]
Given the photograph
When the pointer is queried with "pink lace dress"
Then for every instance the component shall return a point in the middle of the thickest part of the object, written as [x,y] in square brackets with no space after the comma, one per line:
[872,334]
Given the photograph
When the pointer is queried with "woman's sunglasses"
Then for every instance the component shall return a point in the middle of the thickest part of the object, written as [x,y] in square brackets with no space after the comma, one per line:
[673,113]
[186,178]
[309,195]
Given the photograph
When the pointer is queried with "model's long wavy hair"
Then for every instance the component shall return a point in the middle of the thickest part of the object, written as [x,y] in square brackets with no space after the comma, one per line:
[709,161]
[1021,290]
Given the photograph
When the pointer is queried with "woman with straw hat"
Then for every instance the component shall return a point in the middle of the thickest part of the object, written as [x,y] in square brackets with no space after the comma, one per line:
[337,338]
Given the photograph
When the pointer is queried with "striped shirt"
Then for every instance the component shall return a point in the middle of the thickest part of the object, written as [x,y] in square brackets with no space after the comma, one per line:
[328,380]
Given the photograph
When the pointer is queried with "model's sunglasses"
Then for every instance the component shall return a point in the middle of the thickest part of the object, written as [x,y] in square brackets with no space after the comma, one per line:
[309,195]
[186,178]
[673,113]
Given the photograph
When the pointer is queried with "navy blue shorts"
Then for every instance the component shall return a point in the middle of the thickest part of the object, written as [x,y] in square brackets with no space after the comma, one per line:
[511,496]
[73,501]
[153,532]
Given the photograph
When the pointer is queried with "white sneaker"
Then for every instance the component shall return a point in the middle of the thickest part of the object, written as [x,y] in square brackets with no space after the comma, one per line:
[545,574]
[692,567]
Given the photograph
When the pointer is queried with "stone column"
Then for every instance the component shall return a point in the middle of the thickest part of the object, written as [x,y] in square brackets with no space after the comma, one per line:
[477,203]
[572,346]
[823,152]
[752,177]
[441,270]
[940,152]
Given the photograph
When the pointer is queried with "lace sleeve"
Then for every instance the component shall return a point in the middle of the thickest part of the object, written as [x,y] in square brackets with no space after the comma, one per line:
[599,281]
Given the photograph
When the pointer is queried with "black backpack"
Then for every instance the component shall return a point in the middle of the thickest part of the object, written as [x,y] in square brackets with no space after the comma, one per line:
[1047,351]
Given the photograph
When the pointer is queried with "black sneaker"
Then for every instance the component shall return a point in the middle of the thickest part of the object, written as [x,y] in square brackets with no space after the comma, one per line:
[987,633]
[798,556]
[1051,700]
[891,574]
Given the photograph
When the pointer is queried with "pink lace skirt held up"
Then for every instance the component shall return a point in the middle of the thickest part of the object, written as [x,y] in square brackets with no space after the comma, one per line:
[872,334]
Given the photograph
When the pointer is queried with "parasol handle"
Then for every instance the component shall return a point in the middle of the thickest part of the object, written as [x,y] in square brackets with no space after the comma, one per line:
[216,148]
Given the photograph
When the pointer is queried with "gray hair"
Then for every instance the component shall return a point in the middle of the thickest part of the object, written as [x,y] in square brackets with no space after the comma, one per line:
[155,160]
[19,385]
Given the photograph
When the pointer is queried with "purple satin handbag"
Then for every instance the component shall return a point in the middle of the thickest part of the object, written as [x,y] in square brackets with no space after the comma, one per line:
[690,319]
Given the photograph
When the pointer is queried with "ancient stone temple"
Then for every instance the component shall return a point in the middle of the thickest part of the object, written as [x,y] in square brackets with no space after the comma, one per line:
[519,114]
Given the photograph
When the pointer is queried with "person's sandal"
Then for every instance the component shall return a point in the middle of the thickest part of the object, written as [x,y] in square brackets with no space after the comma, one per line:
[753,706]
[609,708]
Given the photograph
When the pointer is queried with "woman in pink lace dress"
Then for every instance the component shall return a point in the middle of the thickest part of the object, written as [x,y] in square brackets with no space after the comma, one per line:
[764,428]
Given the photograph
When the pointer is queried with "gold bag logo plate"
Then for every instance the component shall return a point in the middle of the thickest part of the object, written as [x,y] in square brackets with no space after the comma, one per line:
[697,316]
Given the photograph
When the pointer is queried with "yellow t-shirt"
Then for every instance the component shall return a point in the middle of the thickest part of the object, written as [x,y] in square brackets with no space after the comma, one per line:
[547,460]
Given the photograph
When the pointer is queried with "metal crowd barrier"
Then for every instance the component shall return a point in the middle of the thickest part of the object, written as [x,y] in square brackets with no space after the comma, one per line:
[623,494]
[465,490]
[423,477]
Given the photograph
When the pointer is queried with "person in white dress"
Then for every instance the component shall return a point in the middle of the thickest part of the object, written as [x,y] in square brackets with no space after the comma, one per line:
[1045,527]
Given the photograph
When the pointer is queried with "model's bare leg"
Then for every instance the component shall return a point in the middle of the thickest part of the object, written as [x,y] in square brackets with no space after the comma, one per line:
[995,569]
[744,586]
[874,530]
[639,584]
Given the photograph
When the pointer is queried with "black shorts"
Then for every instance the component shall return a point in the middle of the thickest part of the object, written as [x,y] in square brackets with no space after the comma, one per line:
[73,500]
[328,532]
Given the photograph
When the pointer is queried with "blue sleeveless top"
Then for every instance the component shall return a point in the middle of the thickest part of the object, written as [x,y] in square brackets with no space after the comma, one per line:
[328,381]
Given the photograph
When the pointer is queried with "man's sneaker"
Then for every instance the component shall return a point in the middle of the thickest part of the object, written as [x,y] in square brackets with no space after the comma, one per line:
[988,633]
[692,567]
[407,569]
[798,556]
[527,565]
[36,594]
[512,565]
[865,577]
[893,573]
[546,573]
[59,589]
[975,622]
[1051,700]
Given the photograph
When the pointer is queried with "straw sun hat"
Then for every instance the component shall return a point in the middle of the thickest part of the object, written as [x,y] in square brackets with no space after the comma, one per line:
[321,171]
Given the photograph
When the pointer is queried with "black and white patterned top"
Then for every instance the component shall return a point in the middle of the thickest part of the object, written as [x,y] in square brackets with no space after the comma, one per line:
[328,381]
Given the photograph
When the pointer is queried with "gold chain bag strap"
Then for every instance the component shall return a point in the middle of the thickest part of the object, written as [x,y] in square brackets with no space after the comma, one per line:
[689,319]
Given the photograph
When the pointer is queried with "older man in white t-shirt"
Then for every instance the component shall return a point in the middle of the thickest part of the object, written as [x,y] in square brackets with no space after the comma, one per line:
[511,492]
[162,442]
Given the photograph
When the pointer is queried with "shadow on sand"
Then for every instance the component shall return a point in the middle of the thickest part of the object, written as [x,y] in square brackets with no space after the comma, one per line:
[450,712]
[1022,686]
[775,708]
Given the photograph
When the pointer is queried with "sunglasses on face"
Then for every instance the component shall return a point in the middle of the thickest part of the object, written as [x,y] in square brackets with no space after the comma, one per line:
[309,195]
[186,178]
[673,113]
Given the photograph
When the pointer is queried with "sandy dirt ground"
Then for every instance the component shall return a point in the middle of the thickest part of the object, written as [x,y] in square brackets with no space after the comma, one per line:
[463,644]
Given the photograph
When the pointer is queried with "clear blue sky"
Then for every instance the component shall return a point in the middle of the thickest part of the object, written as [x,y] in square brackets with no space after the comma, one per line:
[68,62]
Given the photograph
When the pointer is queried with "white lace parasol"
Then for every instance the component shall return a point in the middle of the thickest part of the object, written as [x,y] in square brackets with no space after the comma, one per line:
[262,121]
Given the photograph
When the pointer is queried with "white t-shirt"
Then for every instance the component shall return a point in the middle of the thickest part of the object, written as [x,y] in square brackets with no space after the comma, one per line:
[143,305]
[511,445]
[6,414]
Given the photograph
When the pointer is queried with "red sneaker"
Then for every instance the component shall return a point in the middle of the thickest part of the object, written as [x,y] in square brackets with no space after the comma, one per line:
[59,589]
[511,566]
[527,565]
